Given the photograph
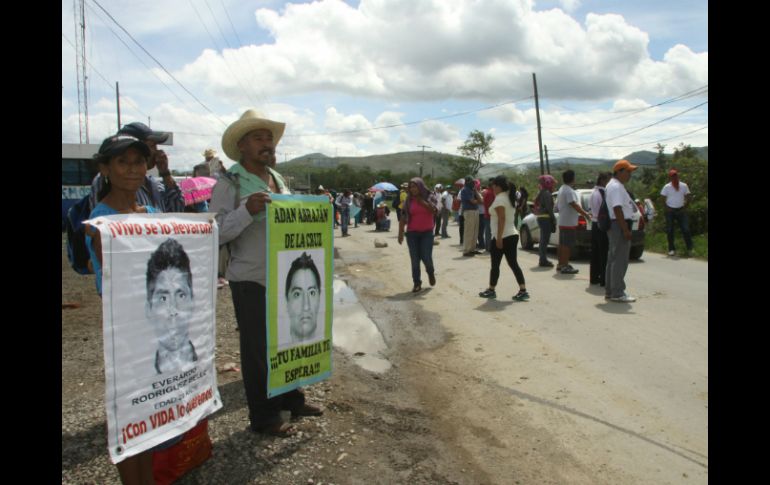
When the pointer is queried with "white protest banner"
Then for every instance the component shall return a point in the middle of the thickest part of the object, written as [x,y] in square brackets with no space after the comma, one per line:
[159,306]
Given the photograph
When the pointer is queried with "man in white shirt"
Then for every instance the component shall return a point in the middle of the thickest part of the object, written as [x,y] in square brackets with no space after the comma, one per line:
[569,208]
[446,208]
[676,195]
[621,210]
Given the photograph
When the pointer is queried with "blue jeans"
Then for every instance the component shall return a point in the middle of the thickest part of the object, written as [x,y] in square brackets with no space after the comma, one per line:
[684,225]
[420,249]
[545,236]
[345,219]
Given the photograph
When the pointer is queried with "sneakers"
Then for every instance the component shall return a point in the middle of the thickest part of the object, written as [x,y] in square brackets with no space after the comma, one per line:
[547,264]
[624,299]
[522,295]
[568,270]
[671,253]
[488,293]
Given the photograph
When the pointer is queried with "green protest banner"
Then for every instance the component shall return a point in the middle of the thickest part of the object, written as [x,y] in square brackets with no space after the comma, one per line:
[300,269]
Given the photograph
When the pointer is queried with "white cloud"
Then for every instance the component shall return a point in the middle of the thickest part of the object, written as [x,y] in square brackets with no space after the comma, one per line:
[629,104]
[432,49]
[438,131]
[570,5]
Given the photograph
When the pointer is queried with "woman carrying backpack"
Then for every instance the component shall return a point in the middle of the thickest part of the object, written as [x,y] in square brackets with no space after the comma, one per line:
[600,243]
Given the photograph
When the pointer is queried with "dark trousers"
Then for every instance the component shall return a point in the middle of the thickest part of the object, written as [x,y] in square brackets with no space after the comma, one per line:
[461,224]
[600,244]
[545,236]
[420,249]
[680,216]
[437,224]
[249,301]
[509,250]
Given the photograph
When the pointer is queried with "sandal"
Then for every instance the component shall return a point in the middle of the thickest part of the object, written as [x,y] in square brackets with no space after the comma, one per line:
[280,430]
[417,288]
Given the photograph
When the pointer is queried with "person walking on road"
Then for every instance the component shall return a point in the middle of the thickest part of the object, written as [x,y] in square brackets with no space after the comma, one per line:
[505,237]
[343,202]
[621,209]
[419,210]
[676,196]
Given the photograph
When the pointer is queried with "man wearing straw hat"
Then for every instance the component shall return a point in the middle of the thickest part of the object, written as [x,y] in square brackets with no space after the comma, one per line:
[216,168]
[239,200]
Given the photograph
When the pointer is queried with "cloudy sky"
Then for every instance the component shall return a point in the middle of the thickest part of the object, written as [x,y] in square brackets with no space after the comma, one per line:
[356,78]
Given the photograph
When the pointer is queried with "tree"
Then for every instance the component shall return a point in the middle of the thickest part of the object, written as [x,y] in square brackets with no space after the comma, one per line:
[477,146]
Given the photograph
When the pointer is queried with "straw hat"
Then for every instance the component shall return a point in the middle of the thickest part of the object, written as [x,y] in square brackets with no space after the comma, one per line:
[250,120]
[210,152]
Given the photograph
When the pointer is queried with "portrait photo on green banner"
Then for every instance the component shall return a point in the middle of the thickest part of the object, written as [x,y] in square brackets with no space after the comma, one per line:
[301,297]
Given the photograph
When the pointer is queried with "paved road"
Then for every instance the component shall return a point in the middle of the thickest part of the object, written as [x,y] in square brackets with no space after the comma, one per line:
[565,388]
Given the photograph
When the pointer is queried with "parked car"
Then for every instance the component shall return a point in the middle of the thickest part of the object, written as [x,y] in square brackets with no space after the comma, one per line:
[529,231]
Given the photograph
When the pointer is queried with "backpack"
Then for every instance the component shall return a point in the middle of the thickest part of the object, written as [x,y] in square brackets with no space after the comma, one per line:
[603,217]
[77,252]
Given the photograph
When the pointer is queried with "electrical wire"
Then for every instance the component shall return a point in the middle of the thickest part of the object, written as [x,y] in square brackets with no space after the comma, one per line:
[110,84]
[696,92]
[159,64]
[409,123]
[597,144]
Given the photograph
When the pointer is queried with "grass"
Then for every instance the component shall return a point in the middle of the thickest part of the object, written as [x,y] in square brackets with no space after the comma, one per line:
[657,242]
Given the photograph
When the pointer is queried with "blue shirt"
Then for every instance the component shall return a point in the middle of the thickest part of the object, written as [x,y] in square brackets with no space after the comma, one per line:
[103,210]
[466,195]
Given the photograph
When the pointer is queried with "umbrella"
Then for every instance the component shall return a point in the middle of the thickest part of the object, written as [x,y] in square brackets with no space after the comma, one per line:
[387,186]
[197,189]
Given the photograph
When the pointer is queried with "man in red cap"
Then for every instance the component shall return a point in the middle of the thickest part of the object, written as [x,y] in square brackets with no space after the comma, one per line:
[676,195]
[621,210]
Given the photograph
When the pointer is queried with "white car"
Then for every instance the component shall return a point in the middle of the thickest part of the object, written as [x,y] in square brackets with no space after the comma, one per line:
[530,231]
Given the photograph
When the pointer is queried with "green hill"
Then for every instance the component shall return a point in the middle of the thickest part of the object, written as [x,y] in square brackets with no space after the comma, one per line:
[436,165]
[433,163]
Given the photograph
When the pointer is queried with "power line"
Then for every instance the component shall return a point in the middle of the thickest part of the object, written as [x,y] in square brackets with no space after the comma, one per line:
[227,63]
[159,64]
[696,92]
[106,24]
[409,123]
[106,81]
[240,43]
[597,144]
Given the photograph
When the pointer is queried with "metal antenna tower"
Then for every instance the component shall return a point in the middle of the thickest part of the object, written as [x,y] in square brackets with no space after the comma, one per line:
[80,66]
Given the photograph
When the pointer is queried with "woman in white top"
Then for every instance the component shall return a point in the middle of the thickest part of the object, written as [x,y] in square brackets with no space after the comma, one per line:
[504,238]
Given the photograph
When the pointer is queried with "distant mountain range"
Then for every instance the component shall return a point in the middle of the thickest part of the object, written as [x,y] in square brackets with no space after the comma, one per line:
[436,163]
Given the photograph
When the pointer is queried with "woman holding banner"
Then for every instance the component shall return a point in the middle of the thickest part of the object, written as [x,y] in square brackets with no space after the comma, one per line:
[122,162]
[419,210]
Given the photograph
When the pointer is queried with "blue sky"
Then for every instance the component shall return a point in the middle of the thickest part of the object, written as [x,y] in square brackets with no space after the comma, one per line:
[441,68]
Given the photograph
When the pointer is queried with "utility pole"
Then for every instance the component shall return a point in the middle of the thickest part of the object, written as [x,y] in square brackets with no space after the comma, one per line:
[80,67]
[422,161]
[547,166]
[539,137]
[117,99]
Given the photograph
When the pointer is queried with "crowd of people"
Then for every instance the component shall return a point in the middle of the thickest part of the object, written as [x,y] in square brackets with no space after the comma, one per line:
[487,218]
